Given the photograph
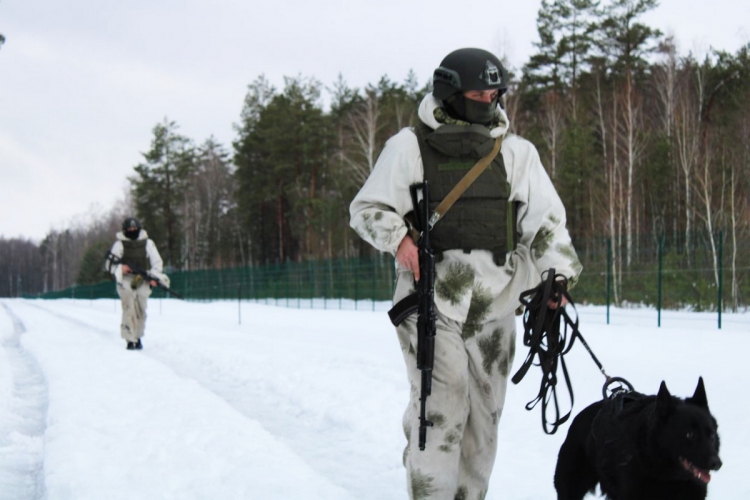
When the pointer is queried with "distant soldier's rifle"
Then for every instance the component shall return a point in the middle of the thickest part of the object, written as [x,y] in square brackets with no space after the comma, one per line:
[115,260]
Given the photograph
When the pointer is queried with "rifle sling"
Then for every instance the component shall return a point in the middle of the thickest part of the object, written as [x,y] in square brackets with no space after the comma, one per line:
[465,182]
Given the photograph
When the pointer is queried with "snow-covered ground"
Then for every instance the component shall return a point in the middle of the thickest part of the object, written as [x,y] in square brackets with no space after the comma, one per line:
[298,404]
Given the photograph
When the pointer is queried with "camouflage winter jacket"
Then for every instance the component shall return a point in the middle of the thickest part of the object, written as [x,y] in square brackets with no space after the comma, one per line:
[469,287]
[152,255]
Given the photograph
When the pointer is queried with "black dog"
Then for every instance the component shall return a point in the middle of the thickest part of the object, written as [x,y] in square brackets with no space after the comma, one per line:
[640,447]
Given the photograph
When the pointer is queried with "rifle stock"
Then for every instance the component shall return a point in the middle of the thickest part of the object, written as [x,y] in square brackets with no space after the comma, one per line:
[114,259]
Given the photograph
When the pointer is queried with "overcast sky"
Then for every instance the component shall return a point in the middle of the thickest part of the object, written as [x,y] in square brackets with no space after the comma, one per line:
[83,82]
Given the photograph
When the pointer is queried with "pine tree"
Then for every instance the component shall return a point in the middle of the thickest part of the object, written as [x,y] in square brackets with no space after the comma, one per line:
[565,29]
[92,263]
[282,158]
[158,189]
[552,84]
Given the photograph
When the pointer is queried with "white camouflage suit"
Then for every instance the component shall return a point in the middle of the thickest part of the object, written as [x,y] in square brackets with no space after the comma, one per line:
[475,301]
[133,290]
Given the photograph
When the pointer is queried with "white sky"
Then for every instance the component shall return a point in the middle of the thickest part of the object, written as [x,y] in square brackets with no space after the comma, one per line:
[301,404]
[83,82]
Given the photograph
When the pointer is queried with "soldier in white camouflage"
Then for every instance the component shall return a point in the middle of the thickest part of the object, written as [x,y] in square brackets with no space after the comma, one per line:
[492,244]
[134,249]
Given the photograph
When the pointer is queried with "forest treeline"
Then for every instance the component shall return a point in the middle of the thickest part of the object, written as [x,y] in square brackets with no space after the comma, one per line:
[643,144]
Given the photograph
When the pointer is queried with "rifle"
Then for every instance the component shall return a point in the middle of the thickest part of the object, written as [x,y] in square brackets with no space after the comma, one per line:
[423,302]
[115,260]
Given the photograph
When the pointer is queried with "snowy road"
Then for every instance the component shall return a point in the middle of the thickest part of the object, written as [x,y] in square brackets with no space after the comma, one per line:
[22,432]
[292,404]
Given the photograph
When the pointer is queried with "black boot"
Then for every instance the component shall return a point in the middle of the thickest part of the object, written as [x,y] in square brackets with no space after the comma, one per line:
[131,346]
[137,345]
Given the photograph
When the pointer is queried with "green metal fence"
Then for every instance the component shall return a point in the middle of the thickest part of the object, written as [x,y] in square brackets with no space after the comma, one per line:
[294,284]
[667,275]
[660,274]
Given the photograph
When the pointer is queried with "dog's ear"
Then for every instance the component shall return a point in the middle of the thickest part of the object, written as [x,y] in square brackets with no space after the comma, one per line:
[699,397]
[664,404]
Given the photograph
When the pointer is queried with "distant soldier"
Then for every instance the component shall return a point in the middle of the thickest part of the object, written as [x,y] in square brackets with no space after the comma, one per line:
[134,251]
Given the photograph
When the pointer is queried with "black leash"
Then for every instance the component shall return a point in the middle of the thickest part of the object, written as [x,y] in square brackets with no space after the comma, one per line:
[549,343]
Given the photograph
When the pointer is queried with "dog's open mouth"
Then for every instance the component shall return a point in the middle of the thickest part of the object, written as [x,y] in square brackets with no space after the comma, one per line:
[700,474]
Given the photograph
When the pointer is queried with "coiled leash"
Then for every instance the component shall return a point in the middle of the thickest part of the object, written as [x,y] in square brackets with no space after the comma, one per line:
[546,341]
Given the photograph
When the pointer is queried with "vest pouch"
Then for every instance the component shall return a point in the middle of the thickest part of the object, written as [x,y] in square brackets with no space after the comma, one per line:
[134,252]
[136,282]
[461,141]
[473,224]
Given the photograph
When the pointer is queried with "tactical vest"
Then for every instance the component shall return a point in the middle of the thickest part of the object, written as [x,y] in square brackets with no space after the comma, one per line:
[483,217]
[134,252]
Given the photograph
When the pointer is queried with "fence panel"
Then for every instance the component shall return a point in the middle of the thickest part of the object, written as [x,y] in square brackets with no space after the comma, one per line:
[687,277]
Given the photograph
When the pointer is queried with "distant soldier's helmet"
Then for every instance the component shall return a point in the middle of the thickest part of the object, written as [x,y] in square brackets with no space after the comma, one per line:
[131,222]
[469,69]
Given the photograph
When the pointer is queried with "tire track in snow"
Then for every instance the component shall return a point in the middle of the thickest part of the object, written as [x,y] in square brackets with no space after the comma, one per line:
[178,369]
[269,420]
[71,319]
[22,436]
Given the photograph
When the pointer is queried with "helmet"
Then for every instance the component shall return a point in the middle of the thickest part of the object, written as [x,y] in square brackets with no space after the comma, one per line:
[469,69]
[131,222]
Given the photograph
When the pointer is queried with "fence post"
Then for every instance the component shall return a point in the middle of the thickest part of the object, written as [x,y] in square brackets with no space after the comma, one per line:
[341,273]
[356,284]
[374,282]
[326,285]
[252,284]
[658,293]
[313,283]
[288,281]
[720,269]
[609,276]
[268,285]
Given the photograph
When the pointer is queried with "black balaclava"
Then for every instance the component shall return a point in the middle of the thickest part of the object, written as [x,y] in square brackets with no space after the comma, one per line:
[133,235]
[462,108]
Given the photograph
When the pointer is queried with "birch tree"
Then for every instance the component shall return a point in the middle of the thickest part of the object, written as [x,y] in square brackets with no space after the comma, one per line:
[553,124]
[605,111]
[364,124]
[687,141]
[624,42]
[208,199]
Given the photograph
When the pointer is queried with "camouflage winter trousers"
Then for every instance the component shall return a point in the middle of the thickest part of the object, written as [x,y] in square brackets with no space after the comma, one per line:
[134,294]
[469,381]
